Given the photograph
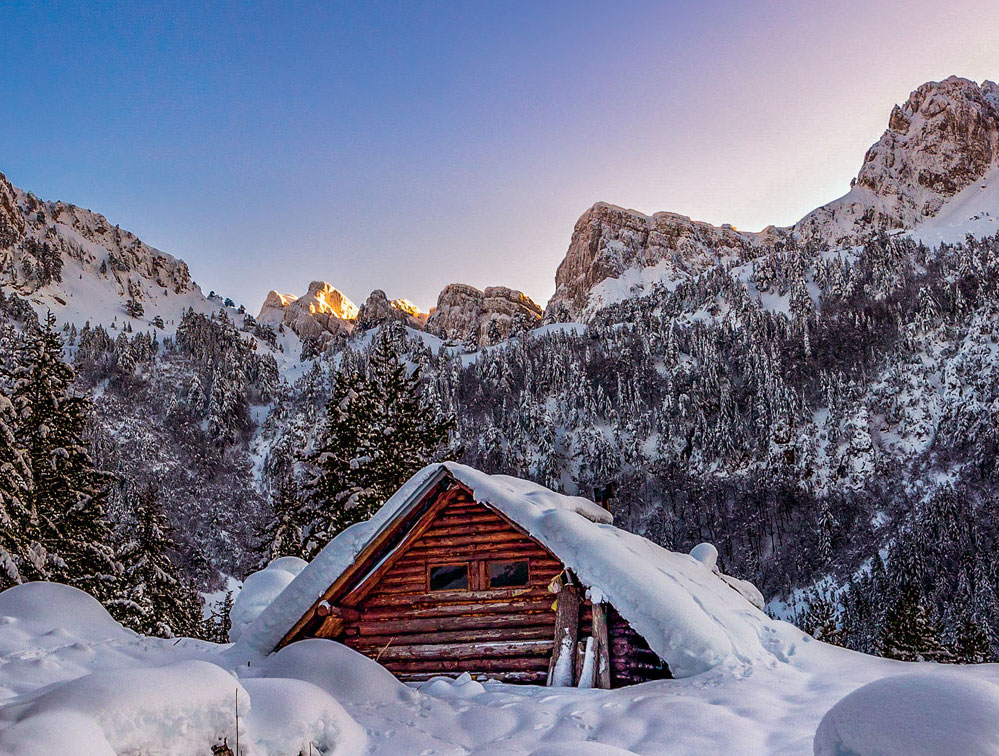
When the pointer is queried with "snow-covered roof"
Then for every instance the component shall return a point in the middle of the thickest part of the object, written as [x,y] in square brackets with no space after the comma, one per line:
[691,616]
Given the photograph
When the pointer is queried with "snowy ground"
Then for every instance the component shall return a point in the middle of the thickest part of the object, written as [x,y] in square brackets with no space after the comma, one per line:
[74,682]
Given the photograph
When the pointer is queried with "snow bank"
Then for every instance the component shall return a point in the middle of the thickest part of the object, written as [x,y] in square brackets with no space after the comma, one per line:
[287,716]
[341,671]
[921,714]
[259,590]
[37,608]
[179,708]
[691,616]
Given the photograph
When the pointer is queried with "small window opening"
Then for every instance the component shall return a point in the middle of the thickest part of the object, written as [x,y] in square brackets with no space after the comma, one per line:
[449,577]
[508,574]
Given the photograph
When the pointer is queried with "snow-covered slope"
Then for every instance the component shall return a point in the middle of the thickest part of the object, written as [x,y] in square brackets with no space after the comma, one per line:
[75,263]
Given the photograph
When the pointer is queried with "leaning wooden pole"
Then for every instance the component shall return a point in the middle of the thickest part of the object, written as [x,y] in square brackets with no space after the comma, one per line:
[567,603]
[601,646]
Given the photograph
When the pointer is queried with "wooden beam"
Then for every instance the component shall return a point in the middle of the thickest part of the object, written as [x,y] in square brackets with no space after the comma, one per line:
[601,647]
[560,670]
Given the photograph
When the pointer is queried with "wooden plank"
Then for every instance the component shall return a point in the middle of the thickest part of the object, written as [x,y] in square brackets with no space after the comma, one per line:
[392,624]
[514,664]
[450,610]
[601,648]
[566,627]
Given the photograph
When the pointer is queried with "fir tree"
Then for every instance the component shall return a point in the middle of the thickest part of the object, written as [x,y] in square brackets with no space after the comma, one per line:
[19,550]
[379,430]
[910,632]
[282,533]
[158,600]
[67,492]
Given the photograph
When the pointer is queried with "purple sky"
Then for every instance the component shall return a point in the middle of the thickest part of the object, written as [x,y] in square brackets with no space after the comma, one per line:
[406,146]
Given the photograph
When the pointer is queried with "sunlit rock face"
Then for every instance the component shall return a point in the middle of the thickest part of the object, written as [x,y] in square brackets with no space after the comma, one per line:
[378,309]
[941,140]
[482,317]
[324,311]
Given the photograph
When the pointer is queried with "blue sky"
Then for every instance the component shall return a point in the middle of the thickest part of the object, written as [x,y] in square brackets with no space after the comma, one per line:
[405,146]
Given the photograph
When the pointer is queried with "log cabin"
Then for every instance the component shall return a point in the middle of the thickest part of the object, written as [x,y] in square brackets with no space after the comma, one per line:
[504,579]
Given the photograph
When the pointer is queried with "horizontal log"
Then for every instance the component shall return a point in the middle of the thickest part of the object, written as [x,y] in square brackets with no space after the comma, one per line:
[486,650]
[338,612]
[421,598]
[505,606]
[507,676]
[514,664]
[472,553]
[529,632]
[393,624]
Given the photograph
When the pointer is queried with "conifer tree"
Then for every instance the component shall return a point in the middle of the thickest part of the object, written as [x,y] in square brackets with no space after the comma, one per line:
[19,550]
[67,493]
[282,533]
[380,429]
[158,600]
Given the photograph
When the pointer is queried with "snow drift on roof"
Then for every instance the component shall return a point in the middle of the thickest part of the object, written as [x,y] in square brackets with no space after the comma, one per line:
[690,616]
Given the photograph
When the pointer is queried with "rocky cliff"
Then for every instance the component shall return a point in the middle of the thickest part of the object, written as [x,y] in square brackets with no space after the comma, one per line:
[378,309]
[482,317]
[941,140]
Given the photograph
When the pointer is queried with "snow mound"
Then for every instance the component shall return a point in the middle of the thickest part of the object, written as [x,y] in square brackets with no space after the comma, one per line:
[38,608]
[920,714]
[56,732]
[292,716]
[692,617]
[259,590]
[338,670]
[179,708]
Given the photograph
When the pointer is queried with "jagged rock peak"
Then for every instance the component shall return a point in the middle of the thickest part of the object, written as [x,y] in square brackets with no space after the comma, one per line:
[378,309]
[47,236]
[942,139]
[323,312]
[11,222]
[482,317]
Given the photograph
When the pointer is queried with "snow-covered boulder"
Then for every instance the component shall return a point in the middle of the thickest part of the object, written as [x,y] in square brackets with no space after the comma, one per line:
[922,714]
[259,590]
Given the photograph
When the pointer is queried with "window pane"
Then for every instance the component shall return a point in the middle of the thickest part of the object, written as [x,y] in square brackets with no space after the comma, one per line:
[449,577]
[506,574]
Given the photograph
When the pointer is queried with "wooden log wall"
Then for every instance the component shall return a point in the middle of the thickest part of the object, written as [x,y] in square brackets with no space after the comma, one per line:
[416,633]
[632,661]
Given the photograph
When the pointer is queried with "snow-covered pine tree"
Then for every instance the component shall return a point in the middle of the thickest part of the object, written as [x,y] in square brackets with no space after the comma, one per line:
[379,430]
[282,532]
[405,431]
[67,492]
[327,508]
[19,552]
[158,600]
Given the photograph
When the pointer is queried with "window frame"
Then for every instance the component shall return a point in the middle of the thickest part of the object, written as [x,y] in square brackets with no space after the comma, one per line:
[468,576]
[489,579]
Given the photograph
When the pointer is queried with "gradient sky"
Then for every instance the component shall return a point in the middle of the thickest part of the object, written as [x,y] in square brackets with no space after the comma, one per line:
[405,146]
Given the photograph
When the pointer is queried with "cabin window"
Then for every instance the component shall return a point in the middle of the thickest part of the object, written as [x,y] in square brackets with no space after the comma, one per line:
[449,577]
[508,574]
